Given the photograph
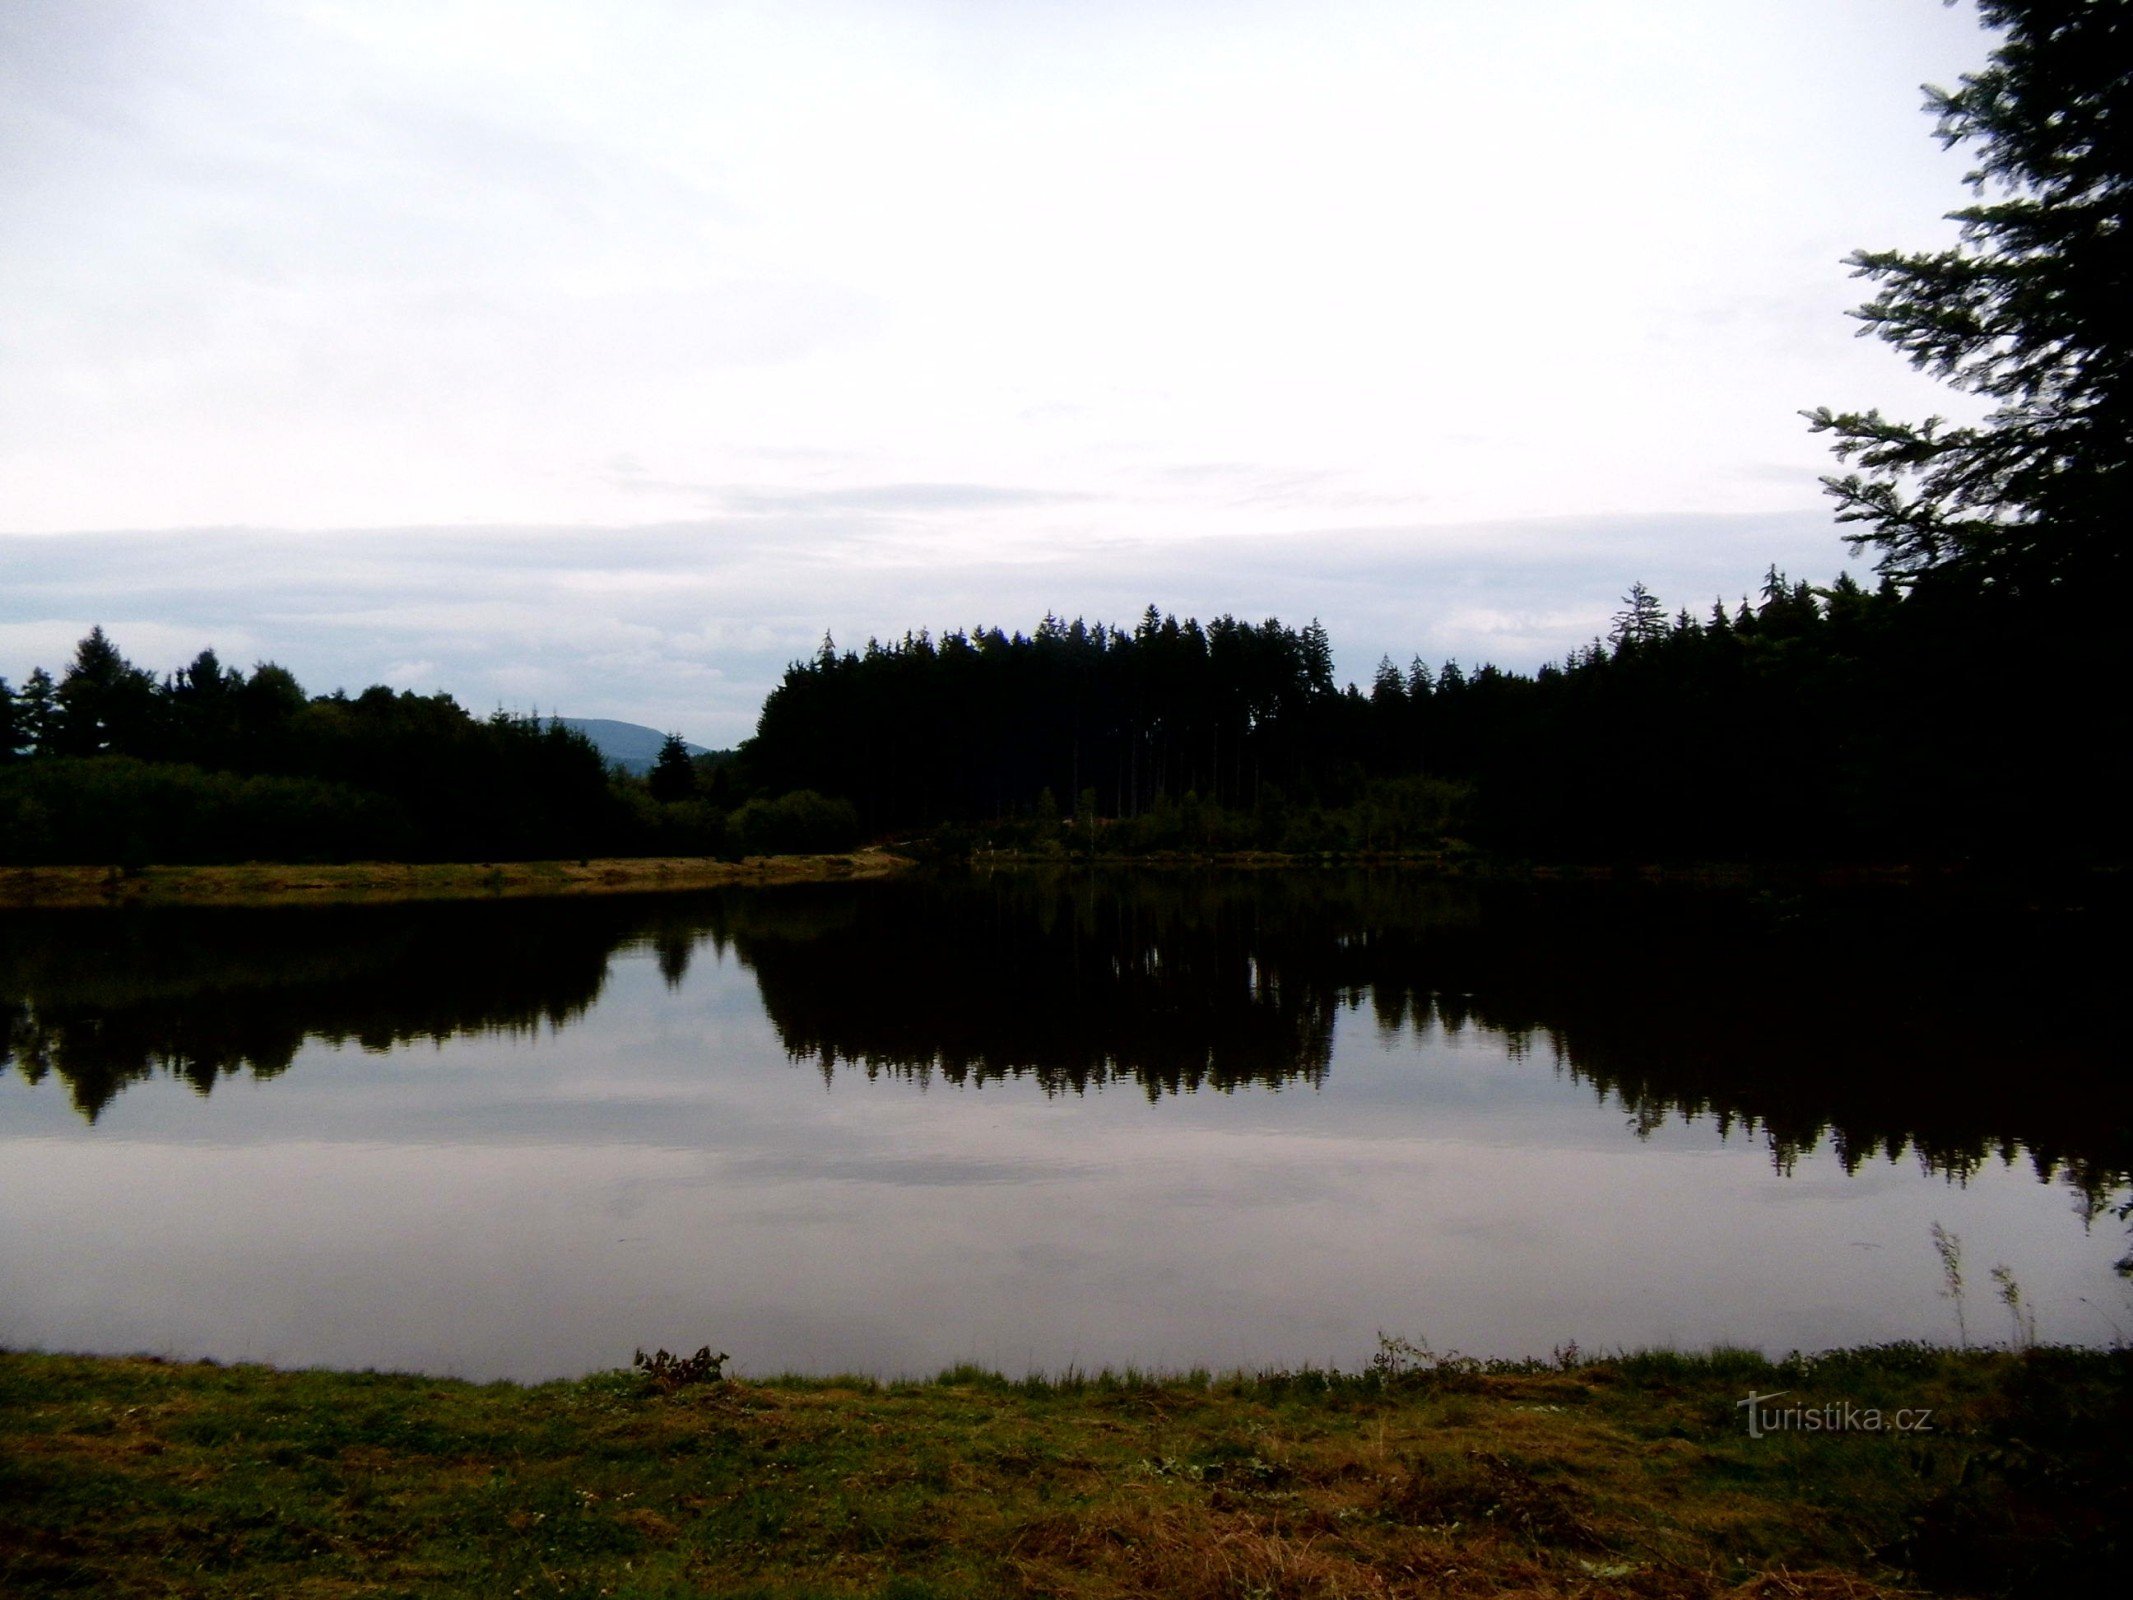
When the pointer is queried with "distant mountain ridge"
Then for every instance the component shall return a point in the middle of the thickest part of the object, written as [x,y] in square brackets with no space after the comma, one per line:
[629,745]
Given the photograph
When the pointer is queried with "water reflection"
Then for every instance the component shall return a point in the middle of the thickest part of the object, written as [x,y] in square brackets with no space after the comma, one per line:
[1878,1023]
[103,1000]
[1031,1121]
[1160,984]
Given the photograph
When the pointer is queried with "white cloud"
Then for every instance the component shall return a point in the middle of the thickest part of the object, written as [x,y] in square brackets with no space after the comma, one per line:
[861,315]
[375,264]
[687,627]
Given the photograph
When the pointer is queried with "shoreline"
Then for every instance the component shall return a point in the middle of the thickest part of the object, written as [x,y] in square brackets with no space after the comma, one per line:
[1632,1474]
[386,882]
[259,884]
[1474,866]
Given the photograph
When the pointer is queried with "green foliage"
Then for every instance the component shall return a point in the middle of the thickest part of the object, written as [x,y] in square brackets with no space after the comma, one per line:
[693,827]
[801,822]
[214,765]
[74,810]
[664,1372]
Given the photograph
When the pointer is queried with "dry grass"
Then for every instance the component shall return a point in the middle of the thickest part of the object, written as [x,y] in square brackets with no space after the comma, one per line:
[364,882]
[1628,1478]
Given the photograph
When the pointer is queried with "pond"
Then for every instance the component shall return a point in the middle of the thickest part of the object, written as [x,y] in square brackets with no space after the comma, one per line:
[1047,1121]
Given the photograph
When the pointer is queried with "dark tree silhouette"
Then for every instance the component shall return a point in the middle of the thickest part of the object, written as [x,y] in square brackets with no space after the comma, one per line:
[673,774]
[14,736]
[212,764]
[105,703]
[2029,310]
[1641,620]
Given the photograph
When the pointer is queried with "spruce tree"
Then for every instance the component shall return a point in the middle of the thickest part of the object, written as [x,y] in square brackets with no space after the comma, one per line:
[1641,619]
[2028,310]
[13,736]
[673,775]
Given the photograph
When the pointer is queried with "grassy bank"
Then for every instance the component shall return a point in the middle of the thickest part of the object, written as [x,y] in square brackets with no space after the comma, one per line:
[266,884]
[1628,1476]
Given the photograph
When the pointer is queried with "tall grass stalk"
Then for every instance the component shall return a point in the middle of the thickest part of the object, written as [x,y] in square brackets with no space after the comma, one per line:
[1949,1247]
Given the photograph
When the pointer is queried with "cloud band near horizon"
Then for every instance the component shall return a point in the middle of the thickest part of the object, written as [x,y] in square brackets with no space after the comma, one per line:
[688,625]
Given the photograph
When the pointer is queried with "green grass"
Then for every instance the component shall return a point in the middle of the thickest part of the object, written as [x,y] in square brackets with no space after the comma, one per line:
[1629,1475]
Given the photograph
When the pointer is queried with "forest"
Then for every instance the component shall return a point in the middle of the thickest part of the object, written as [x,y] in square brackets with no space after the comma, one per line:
[1964,706]
[1829,723]
[109,764]
[1804,722]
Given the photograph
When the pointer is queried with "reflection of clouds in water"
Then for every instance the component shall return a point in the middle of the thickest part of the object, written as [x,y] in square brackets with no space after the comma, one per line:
[1496,1232]
[661,1170]
[1266,1174]
[864,1165]
[626,1199]
[1112,991]
[1054,1259]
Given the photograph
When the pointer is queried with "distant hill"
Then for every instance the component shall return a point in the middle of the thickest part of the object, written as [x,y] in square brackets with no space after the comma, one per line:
[629,745]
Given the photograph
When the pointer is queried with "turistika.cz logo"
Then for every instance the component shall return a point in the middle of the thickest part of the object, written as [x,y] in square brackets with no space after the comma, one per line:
[1838,1416]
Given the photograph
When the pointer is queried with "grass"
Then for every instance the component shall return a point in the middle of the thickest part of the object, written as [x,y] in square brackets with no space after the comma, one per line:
[359,882]
[1632,1475]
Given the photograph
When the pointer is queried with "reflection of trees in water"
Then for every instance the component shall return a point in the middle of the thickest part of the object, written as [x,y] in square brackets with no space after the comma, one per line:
[1878,1025]
[101,1000]
[1069,986]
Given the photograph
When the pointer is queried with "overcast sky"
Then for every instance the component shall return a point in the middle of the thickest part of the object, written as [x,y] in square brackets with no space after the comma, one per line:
[601,357]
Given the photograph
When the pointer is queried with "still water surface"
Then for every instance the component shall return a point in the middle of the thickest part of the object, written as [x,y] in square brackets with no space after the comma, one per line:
[1033,1123]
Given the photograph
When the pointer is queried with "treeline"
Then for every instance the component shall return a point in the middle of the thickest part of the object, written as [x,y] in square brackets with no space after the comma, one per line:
[1805,721]
[984,726]
[1926,721]
[109,764]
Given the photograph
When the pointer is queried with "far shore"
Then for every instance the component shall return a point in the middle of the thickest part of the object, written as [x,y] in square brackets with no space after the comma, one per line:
[380,882]
[367,882]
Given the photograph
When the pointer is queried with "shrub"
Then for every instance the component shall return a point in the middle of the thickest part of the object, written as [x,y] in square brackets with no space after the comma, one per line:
[801,822]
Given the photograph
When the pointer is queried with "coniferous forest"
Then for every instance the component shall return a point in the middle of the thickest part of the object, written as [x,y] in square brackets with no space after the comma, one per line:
[106,763]
[1964,706]
[1800,723]
[110,763]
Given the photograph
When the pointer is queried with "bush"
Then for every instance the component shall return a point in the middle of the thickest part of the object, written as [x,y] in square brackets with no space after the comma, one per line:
[676,828]
[802,822]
